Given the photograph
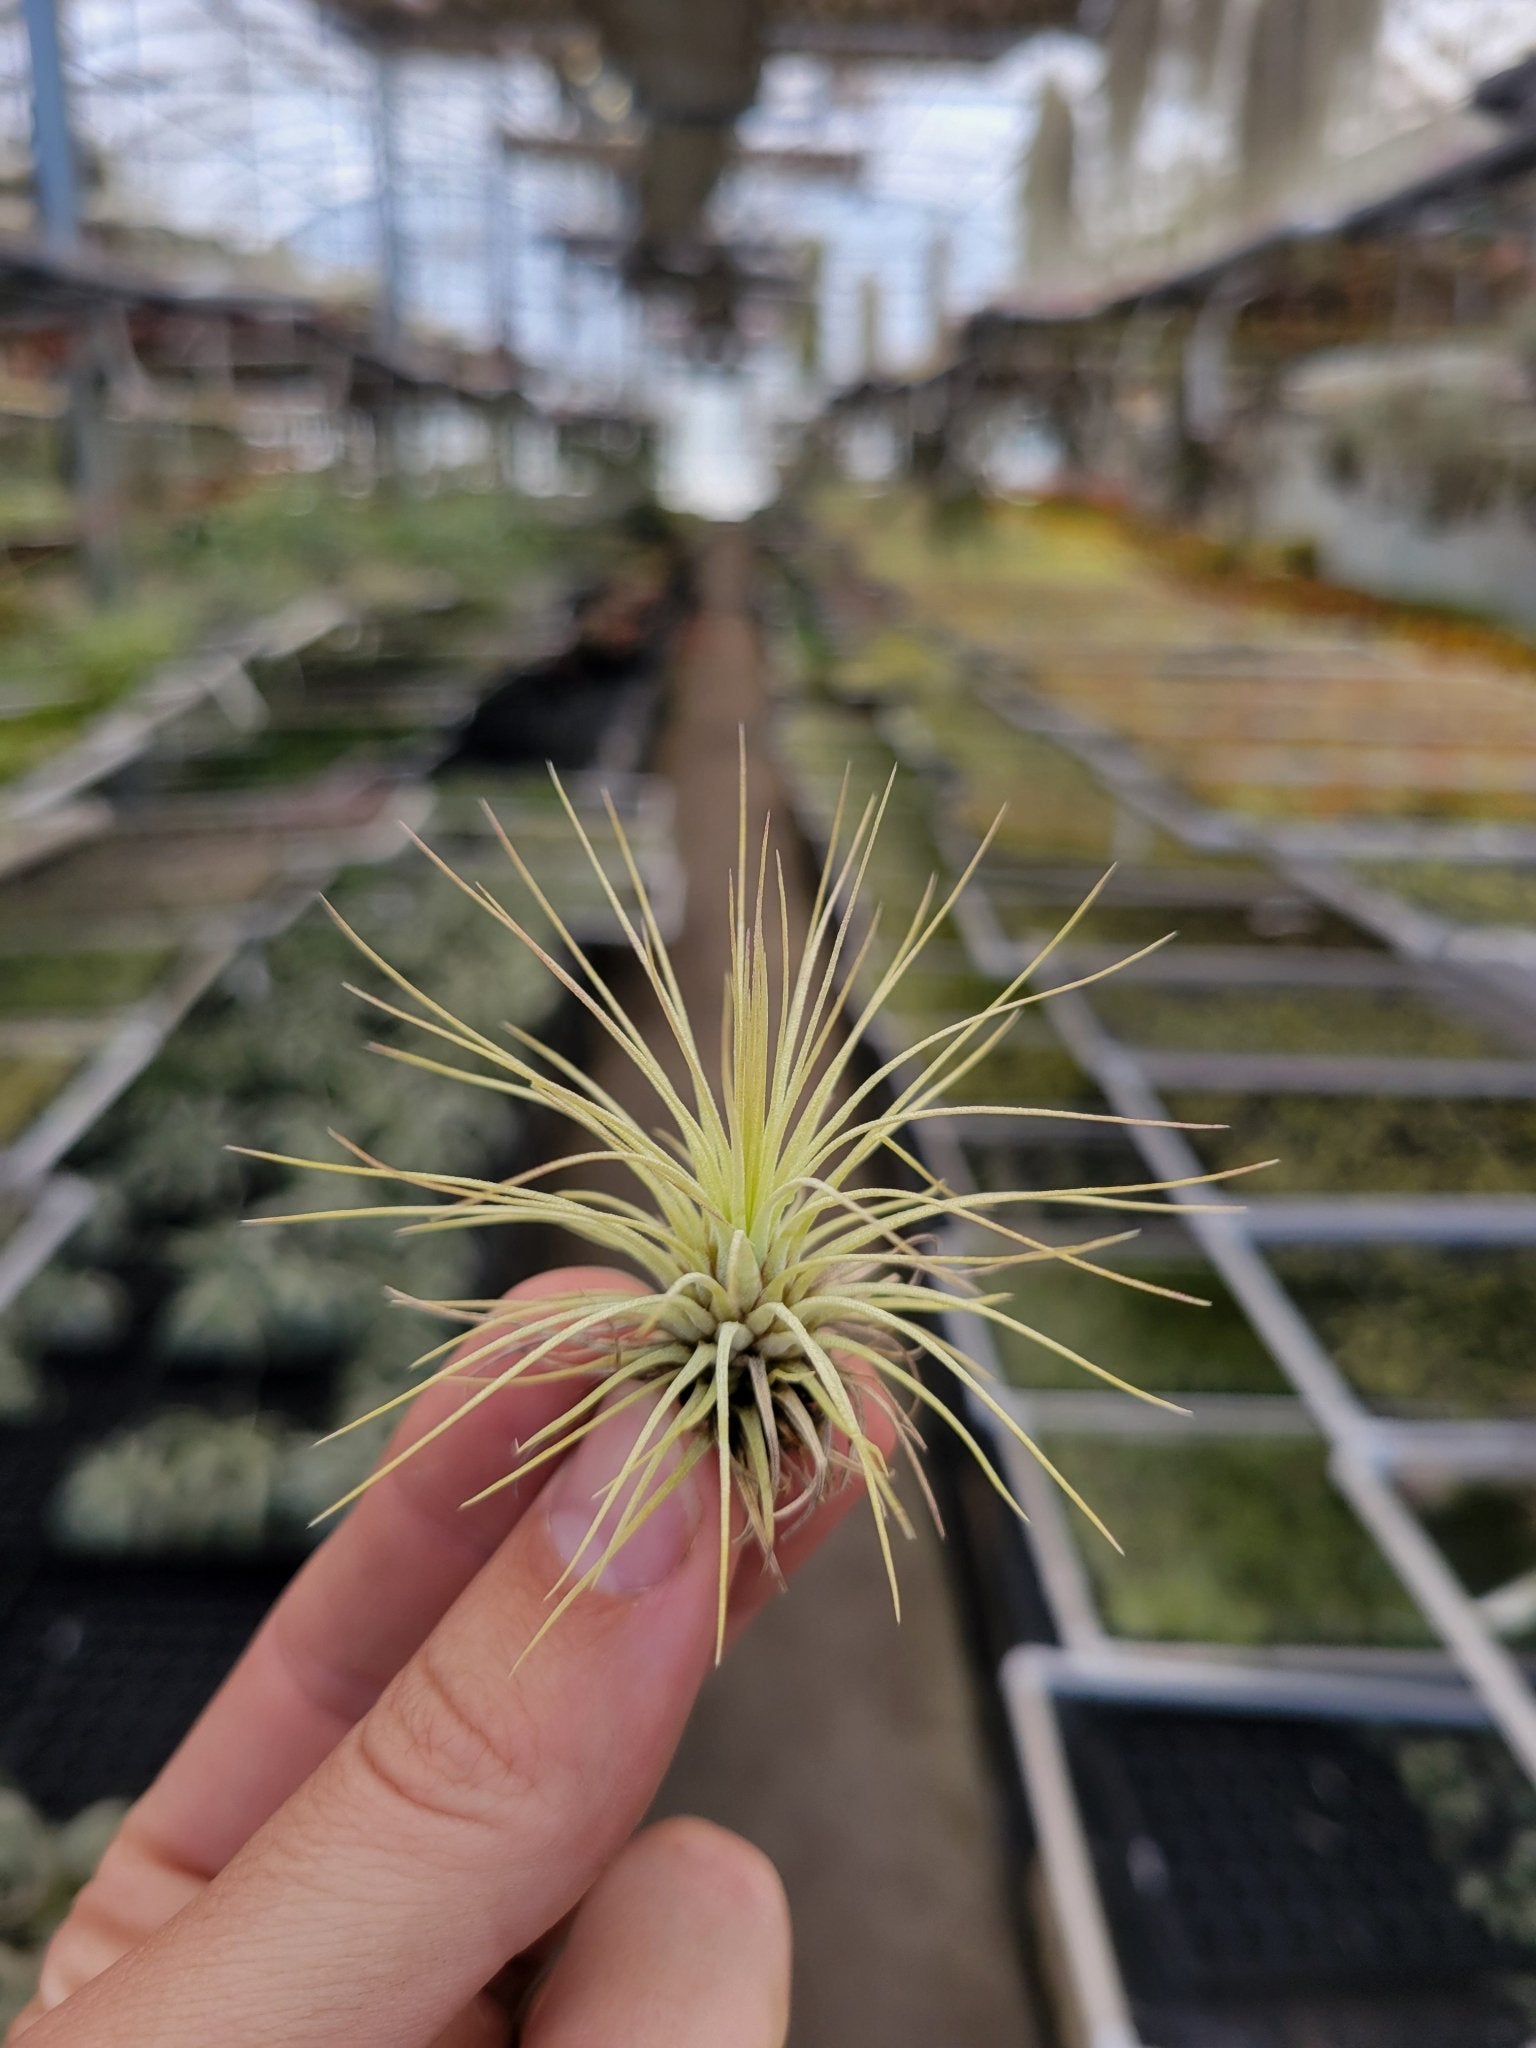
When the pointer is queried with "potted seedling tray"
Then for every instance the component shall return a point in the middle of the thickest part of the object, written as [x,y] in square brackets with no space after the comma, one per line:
[1343,1864]
[1027,1067]
[276,758]
[1431,1021]
[1050,1154]
[135,875]
[1461,892]
[188,1485]
[1169,950]
[122,733]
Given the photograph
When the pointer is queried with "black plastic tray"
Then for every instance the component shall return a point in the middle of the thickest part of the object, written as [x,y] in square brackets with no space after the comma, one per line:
[103,1671]
[1242,1855]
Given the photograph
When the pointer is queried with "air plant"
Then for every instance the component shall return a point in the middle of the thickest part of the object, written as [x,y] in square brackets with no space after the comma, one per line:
[790,1241]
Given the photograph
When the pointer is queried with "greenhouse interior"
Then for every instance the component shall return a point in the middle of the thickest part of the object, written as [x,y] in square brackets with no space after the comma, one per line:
[825,651]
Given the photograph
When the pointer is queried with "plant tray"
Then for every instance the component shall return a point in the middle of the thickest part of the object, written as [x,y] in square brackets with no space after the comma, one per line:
[28,1083]
[1278,919]
[1419,1332]
[1165,1347]
[1243,1544]
[1345,1022]
[1351,1878]
[1383,1145]
[1466,892]
[57,984]
[102,1673]
[270,759]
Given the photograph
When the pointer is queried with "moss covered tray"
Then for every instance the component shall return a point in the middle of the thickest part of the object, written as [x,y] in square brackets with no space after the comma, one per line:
[1233,1543]
[1367,1144]
[1280,919]
[1355,1022]
[1424,1332]
[1029,1066]
[63,984]
[1464,893]
[1167,1347]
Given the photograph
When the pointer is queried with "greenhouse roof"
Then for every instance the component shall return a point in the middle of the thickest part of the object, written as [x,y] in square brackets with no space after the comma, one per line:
[858,28]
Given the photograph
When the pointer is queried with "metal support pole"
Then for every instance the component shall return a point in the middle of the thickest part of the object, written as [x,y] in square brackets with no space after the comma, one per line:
[389,307]
[389,310]
[53,155]
[58,204]
[496,238]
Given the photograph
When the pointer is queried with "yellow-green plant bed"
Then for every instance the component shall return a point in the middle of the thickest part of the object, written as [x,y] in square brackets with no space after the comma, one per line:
[1234,1543]
[1465,892]
[28,1083]
[1420,1331]
[1353,1022]
[1158,1344]
[58,984]
[1371,1144]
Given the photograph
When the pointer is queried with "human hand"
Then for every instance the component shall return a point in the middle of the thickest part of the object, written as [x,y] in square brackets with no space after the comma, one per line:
[382,1808]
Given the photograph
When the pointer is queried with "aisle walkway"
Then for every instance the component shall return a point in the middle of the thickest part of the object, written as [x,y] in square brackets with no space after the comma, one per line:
[846,1747]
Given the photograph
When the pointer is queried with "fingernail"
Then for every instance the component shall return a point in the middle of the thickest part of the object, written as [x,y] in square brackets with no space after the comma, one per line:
[657,1546]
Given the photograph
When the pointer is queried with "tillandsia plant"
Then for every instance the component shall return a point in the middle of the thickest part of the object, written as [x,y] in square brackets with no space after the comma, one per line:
[786,1326]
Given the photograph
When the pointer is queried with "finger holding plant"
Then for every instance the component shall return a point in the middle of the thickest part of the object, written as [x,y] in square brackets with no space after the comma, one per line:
[388,1801]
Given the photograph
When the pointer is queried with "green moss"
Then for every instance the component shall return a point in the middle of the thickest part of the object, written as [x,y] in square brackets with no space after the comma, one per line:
[1270,920]
[1423,1331]
[895,662]
[59,984]
[1389,1023]
[1365,1144]
[28,1082]
[1232,1543]
[1465,893]
[1166,1347]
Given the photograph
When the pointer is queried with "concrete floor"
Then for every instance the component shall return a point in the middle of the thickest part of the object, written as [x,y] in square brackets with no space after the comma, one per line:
[844,1746]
